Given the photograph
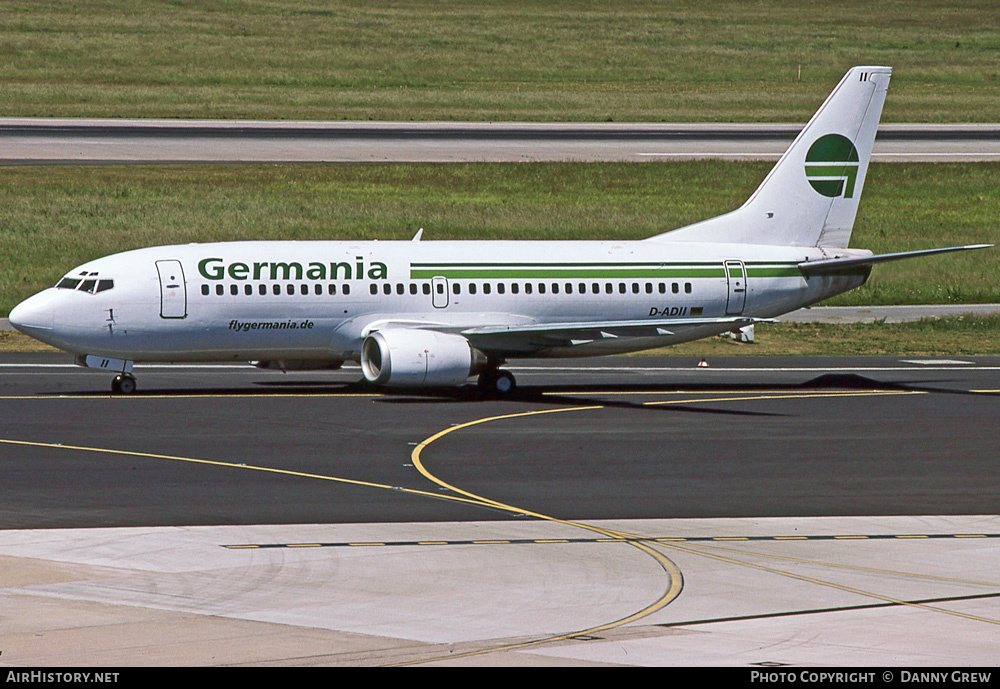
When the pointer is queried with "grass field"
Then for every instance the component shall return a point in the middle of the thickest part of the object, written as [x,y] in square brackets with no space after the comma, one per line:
[55,218]
[546,60]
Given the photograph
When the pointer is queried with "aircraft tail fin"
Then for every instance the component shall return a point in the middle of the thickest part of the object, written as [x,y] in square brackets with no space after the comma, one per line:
[810,197]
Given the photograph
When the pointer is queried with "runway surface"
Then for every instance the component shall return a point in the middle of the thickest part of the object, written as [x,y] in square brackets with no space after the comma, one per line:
[626,510]
[54,141]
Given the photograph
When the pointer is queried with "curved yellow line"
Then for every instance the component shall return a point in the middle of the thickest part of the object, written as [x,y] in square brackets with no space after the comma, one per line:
[234,465]
[673,572]
[857,568]
[830,584]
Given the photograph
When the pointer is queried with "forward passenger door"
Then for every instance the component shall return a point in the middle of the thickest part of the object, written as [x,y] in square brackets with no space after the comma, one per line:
[173,289]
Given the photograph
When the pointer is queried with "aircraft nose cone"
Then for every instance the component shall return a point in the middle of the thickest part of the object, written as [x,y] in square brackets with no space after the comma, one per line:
[32,315]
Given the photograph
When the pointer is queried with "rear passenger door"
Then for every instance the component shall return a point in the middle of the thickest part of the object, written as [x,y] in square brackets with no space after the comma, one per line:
[439,292]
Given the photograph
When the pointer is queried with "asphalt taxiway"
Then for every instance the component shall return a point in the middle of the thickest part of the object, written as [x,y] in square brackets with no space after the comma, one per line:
[744,437]
[627,510]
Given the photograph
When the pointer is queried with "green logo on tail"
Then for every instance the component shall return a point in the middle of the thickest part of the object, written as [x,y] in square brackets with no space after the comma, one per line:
[832,166]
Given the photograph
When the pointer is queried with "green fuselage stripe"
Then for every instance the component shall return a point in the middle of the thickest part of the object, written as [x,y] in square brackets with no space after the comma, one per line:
[561,273]
[494,271]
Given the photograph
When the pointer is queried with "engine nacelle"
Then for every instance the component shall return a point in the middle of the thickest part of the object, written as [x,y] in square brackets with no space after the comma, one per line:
[411,358]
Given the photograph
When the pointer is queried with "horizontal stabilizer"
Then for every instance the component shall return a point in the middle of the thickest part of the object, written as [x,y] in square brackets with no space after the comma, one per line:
[833,265]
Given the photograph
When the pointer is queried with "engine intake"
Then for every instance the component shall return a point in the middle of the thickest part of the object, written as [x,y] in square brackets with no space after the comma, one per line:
[409,358]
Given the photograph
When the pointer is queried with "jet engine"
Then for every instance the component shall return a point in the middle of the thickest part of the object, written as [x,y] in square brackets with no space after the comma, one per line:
[404,357]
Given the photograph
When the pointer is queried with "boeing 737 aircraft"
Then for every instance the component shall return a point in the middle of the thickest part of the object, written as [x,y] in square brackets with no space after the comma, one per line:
[435,313]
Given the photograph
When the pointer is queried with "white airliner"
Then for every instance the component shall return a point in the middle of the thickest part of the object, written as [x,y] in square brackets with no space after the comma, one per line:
[435,313]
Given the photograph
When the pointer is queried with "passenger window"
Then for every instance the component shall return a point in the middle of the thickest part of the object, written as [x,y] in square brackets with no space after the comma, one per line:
[204,290]
[413,288]
[456,288]
[276,289]
[218,290]
[262,289]
[427,288]
[290,289]
[347,289]
[332,289]
[472,288]
[687,288]
[399,288]
[373,289]
[621,288]
[527,288]
[663,288]
[387,289]
[675,288]
[515,288]
[501,288]
[486,288]
[318,289]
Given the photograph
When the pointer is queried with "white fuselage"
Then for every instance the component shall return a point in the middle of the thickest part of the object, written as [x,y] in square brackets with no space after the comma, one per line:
[318,300]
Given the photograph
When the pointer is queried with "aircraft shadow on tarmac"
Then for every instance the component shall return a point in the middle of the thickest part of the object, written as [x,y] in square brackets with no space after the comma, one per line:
[555,395]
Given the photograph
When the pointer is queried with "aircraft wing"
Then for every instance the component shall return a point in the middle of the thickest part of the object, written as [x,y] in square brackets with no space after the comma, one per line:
[585,332]
[833,265]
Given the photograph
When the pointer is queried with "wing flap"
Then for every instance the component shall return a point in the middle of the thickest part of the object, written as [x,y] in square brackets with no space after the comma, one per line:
[587,332]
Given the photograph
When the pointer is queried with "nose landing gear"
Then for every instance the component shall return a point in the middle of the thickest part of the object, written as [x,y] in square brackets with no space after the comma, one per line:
[123,383]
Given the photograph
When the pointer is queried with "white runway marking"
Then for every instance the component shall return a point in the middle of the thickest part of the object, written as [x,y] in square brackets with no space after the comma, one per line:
[937,362]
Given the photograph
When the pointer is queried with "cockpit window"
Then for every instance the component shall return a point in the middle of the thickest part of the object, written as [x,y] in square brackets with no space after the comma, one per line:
[89,285]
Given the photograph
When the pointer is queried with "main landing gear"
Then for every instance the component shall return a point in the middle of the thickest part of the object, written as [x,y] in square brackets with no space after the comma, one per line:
[497,383]
[123,384]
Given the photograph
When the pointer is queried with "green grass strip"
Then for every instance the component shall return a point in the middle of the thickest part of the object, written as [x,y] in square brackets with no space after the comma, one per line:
[490,60]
